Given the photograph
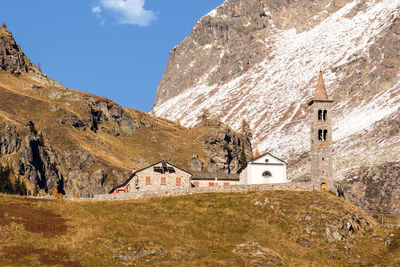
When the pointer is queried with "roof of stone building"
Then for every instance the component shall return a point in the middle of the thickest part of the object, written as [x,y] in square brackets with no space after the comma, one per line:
[320,92]
[213,176]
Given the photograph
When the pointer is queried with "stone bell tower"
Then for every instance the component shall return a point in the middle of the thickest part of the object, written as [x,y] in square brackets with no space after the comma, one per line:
[321,139]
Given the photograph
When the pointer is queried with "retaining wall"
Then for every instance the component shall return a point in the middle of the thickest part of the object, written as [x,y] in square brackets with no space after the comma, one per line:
[212,189]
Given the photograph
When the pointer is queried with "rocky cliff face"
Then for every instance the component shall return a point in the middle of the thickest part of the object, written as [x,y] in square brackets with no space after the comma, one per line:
[223,146]
[259,60]
[14,61]
[375,189]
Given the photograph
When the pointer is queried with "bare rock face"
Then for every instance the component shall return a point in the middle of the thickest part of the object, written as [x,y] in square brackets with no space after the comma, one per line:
[111,112]
[227,42]
[255,255]
[12,59]
[375,189]
[195,164]
[10,142]
[36,162]
[223,146]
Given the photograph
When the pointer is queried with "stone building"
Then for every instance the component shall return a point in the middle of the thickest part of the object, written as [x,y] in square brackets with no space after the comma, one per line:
[265,169]
[321,138]
[204,179]
[159,176]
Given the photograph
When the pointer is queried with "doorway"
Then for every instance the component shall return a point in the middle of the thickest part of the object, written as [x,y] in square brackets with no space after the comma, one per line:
[323,187]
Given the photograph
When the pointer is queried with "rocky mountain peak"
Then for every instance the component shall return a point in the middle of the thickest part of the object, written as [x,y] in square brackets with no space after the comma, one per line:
[12,58]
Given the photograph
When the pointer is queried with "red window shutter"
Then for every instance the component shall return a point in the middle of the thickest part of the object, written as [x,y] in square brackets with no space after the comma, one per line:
[211,184]
[148,180]
[163,180]
[226,183]
[196,184]
[116,191]
[178,181]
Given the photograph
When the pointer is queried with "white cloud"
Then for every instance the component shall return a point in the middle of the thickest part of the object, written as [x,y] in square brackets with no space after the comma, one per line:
[96,10]
[126,11]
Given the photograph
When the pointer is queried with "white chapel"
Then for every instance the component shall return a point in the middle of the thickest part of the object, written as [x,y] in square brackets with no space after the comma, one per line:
[266,169]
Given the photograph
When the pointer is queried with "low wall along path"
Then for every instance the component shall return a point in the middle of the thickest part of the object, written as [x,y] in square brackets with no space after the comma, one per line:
[198,190]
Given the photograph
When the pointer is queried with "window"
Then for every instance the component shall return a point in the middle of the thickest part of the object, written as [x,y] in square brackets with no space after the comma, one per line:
[178,181]
[325,115]
[323,158]
[266,160]
[320,135]
[325,135]
[196,184]
[320,115]
[211,184]
[148,180]
[226,183]
[164,180]
[267,174]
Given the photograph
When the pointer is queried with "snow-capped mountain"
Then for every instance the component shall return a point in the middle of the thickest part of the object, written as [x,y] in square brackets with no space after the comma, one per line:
[260,60]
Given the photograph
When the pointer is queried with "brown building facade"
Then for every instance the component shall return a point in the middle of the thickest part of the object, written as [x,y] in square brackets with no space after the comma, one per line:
[321,139]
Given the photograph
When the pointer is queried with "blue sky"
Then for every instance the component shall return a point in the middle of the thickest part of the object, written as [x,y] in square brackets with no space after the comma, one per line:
[113,48]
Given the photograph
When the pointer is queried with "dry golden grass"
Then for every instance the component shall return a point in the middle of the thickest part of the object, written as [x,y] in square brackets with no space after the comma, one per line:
[197,230]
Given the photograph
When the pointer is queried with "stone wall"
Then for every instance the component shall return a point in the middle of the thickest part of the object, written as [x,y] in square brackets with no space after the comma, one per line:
[212,189]
[206,183]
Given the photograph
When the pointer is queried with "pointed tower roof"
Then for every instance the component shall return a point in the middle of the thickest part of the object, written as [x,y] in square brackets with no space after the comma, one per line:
[320,92]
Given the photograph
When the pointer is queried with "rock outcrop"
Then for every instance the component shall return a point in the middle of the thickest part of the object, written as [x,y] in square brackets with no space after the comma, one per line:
[375,189]
[12,58]
[223,146]
[195,164]
[10,141]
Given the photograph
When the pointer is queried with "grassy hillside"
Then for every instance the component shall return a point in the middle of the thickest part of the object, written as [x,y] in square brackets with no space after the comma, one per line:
[270,228]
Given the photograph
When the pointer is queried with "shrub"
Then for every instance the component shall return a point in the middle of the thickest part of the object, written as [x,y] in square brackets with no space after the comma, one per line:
[5,182]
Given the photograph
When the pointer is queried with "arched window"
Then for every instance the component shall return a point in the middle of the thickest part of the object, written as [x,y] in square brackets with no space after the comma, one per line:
[325,115]
[267,174]
[320,115]
[325,134]
[320,135]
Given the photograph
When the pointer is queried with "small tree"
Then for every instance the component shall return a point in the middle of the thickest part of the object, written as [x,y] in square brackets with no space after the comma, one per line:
[56,194]
[242,157]
[205,113]
[20,187]
[5,182]
[246,131]
[41,139]
[4,26]
[39,66]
